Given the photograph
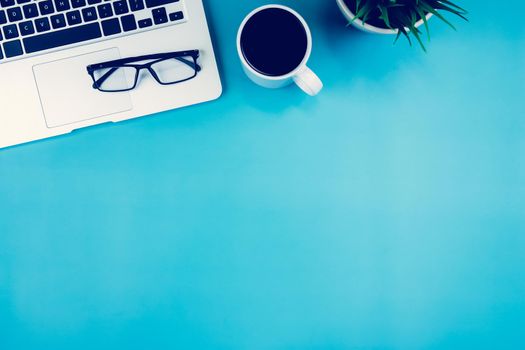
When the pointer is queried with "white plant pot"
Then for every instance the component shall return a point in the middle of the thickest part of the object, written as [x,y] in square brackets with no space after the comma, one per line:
[367,27]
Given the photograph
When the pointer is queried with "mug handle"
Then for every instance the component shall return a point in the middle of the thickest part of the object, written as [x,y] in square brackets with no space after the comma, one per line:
[308,81]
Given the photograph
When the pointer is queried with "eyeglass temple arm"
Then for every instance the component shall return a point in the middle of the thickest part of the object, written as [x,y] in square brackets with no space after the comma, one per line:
[122,61]
[192,64]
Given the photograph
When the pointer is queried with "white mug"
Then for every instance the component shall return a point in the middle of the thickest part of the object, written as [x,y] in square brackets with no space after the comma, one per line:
[303,76]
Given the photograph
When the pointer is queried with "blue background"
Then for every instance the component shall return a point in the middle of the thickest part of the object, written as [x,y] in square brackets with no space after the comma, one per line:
[388,212]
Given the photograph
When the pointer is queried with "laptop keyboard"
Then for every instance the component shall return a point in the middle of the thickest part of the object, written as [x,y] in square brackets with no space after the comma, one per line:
[37,26]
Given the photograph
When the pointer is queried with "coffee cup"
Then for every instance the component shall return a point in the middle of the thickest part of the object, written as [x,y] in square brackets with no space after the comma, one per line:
[274,44]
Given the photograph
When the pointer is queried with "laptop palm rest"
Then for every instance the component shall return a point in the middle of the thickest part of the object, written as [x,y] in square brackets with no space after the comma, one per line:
[73,99]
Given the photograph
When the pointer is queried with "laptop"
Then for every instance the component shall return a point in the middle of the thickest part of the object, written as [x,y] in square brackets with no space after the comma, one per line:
[46,46]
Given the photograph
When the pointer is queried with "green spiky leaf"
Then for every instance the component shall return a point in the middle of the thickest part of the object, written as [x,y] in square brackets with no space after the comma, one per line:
[404,15]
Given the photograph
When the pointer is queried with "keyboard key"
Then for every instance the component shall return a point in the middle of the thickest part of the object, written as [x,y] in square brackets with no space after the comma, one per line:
[10,31]
[58,21]
[46,7]
[104,10]
[111,26]
[1,56]
[3,18]
[14,14]
[145,23]
[1,37]
[155,3]
[136,5]
[62,37]
[176,16]
[42,24]
[13,48]
[30,11]
[128,23]
[89,14]
[20,2]
[78,3]
[7,3]
[74,17]
[120,7]
[93,2]
[159,15]
[62,5]
[26,28]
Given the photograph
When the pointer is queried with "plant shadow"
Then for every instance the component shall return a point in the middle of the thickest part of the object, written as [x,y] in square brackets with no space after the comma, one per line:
[349,54]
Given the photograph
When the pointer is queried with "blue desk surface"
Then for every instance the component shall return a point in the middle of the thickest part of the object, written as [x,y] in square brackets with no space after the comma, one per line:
[388,212]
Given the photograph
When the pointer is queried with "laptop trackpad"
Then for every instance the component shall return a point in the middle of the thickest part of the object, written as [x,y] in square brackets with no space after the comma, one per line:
[66,91]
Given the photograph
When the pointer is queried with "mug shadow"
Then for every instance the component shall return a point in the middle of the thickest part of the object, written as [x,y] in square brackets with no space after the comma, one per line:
[274,102]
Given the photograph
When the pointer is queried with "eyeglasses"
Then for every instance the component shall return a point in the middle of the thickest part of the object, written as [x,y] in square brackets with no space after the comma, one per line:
[123,74]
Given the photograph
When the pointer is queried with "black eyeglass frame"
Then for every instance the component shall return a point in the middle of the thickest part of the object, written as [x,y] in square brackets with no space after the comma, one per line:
[128,62]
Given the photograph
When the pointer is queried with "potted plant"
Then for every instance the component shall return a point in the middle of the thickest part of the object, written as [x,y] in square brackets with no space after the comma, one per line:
[399,17]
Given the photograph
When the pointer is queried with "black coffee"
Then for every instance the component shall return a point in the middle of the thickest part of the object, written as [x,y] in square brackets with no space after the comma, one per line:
[274,42]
